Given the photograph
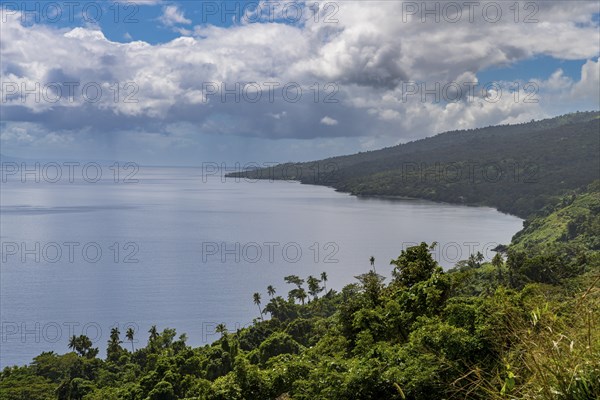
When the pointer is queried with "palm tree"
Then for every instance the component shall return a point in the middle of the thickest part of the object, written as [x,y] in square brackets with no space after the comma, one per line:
[114,335]
[302,295]
[153,332]
[313,286]
[129,335]
[294,279]
[475,260]
[221,328]
[372,260]
[153,336]
[82,345]
[256,297]
[324,279]
[85,345]
[270,291]
[479,257]
[73,342]
[114,350]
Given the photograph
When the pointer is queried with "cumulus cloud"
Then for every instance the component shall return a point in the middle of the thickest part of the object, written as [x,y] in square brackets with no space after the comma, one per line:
[351,62]
[588,88]
[172,15]
[328,121]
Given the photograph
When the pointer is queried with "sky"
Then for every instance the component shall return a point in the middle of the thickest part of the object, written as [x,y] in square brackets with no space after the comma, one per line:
[185,82]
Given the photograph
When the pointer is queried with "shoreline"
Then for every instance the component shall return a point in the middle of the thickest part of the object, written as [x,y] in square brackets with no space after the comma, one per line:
[382,196]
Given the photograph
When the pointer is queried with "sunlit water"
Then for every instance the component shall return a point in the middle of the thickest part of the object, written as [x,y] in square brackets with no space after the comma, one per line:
[181,251]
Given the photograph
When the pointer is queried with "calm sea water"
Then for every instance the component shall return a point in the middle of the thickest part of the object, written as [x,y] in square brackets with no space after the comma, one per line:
[178,250]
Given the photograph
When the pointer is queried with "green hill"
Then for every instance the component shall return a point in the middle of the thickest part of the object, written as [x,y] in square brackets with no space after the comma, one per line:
[575,219]
[517,169]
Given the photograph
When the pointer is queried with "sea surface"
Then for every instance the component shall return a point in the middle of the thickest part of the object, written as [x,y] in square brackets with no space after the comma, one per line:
[178,248]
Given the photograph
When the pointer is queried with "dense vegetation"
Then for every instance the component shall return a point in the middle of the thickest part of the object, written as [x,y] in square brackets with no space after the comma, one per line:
[524,326]
[515,168]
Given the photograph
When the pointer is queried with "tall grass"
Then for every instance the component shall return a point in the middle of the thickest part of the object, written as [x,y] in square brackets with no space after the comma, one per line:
[553,353]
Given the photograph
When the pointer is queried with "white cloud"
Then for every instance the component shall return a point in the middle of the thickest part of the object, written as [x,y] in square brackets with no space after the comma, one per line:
[277,115]
[328,121]
[589,85]
[558,81]
[368,53]
[172,15]
[146,2]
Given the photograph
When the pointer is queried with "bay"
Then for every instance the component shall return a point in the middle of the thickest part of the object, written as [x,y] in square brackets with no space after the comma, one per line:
[182,250]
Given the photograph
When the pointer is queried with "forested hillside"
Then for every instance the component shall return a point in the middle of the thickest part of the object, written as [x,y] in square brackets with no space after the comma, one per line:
[517,169]
[524,326]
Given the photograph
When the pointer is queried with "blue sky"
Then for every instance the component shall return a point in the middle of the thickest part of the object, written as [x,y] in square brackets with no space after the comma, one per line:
[166,55]
[539,67]
[124,21]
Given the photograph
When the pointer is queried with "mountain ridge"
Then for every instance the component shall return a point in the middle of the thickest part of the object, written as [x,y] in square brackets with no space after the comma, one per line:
[536,161]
